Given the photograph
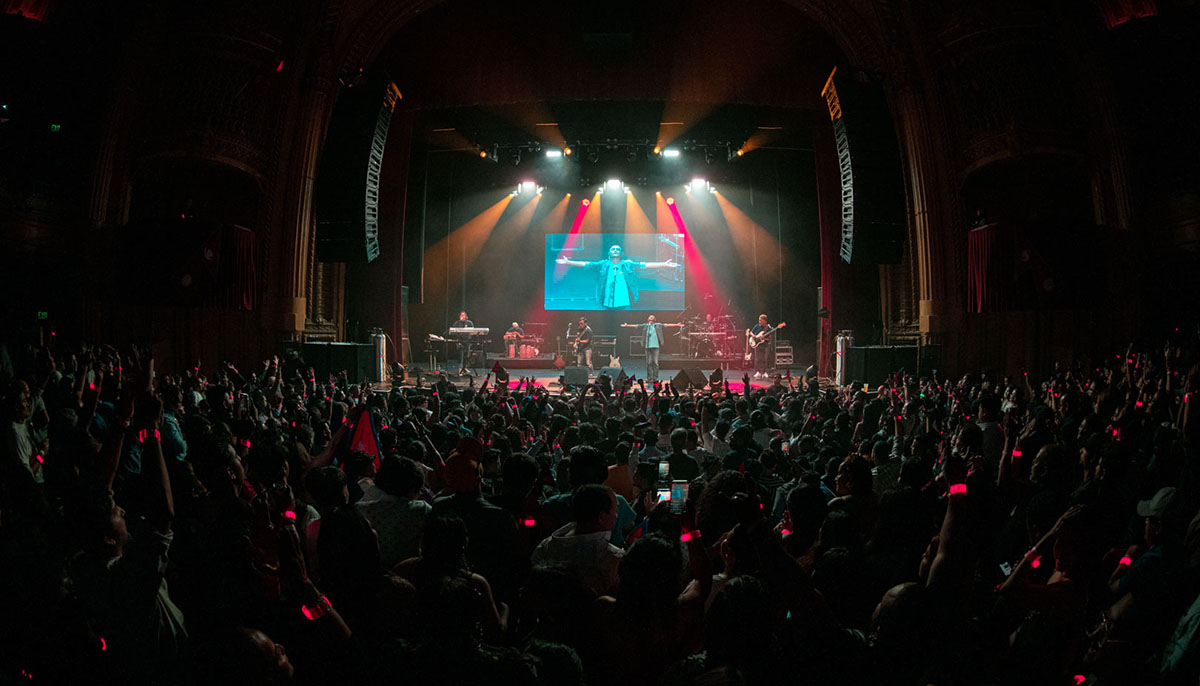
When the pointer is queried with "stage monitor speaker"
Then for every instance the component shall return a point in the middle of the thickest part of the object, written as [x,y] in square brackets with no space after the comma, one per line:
[617,374]
[689,375]
[872,178]
[716,378]
[575,376]
[346,191]
[610,379]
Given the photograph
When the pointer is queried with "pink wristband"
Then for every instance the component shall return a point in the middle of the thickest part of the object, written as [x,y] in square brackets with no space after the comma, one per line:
[958,489]
[1125,561]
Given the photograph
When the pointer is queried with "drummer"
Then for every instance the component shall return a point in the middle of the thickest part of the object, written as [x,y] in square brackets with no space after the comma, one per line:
[512,338]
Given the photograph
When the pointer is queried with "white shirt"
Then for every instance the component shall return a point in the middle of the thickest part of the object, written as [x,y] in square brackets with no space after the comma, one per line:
[21,442]
[589,556]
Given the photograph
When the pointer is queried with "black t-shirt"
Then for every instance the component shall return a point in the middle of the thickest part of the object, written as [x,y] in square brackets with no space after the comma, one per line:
[584,339]
[683,467]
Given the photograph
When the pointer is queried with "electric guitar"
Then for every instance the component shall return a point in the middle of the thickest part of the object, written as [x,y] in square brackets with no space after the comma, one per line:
[753,340]
[559,361]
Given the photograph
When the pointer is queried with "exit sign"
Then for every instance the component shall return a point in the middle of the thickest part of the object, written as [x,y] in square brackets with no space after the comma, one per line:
[43,315]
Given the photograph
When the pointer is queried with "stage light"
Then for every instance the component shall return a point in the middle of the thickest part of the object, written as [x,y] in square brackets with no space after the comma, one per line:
[670,152]
[698,183]
[614,184]
[585,202]
[527,187]
[554,153]
[567,151]
[483,154]
[740,152]
[670,201]
[657,150]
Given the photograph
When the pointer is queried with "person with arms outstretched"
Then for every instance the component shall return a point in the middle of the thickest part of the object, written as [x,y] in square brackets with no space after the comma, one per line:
[653,336]
[616,282]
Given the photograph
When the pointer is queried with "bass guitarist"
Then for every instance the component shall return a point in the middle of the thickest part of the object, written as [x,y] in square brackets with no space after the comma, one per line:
[756,341]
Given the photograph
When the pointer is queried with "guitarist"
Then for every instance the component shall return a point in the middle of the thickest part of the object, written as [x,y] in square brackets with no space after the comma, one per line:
[654,336]
[583,343]
[758,335]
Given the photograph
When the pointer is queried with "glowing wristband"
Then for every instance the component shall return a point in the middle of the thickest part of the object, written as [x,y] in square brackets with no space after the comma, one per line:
[690,535]
[958,489]
[1125,561]
[318,610]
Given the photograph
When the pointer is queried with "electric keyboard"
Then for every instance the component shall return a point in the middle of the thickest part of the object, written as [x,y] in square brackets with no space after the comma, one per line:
[469,330]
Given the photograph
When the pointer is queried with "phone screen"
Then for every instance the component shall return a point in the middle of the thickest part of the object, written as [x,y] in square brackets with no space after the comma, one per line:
[1006,568]
[679,494]
[664,471]
[664,494]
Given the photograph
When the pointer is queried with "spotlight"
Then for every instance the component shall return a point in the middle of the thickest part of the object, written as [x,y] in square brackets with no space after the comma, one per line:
[567,151]
[657,150]
[671,153]
[585,202]
[698,183]
[554,153]
[614,184]
[740,152]
[670,201]
[483,154]
[527,187]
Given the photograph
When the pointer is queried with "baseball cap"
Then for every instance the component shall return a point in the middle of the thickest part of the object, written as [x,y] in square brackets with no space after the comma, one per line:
[1158,505]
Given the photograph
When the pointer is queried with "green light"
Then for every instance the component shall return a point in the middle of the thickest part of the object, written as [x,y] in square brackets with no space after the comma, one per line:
[43,315]
[55,128]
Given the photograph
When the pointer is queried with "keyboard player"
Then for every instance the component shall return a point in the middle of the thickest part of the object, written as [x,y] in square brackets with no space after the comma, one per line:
[463,342]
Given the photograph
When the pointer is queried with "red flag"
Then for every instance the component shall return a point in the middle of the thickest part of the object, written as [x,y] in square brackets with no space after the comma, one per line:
[364,438]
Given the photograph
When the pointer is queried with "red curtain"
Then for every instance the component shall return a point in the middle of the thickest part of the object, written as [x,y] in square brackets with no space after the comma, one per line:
[991,258]
[241,269]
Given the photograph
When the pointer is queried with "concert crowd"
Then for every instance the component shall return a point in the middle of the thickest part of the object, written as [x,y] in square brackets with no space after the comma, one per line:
[264,526]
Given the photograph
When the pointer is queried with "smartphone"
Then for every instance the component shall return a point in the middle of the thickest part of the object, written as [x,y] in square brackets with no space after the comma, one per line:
[1006,568]
[679,494]
[664,494]
[664,471]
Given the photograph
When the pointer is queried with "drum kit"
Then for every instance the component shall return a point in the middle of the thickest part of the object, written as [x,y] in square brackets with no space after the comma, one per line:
[710,337]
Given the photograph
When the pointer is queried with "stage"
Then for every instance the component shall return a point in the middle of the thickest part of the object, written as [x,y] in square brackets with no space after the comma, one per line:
[550,377]
[673,362]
